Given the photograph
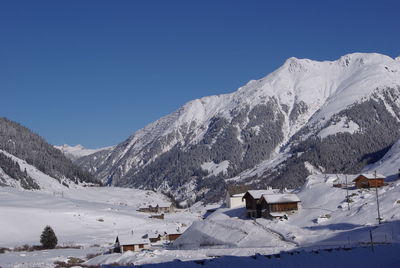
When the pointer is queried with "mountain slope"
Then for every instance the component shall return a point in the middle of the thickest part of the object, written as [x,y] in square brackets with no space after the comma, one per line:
[20,149]
[305,112]
[389,164]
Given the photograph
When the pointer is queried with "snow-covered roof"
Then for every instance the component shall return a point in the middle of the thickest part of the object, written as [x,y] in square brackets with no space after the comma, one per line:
[280,198]
[238,195]
[257,194]
[372,176]
[131,240]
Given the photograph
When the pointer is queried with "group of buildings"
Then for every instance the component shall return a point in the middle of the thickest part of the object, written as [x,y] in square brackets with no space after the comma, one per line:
[278,204]
[269,203]
[132,242]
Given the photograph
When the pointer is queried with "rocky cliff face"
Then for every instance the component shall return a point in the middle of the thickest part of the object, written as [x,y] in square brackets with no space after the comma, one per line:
[305,117]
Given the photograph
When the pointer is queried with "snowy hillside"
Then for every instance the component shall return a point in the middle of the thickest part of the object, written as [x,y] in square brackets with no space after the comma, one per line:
[278,117]
[45,182]
[78,151]
[389,165]
[28,161]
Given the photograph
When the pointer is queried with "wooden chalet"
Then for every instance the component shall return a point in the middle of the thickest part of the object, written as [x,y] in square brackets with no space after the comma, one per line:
[253,201]
[164,207]
[279,205]
[369,180]
[125,243]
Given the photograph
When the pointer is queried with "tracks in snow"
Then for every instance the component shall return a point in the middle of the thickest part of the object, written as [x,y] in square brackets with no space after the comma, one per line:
[275,233]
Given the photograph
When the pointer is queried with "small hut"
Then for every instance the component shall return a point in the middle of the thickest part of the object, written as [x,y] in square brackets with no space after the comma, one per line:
[125,243]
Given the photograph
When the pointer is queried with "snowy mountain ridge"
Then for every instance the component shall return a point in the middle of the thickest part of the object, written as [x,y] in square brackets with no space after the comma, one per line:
[329,85]
[260,121]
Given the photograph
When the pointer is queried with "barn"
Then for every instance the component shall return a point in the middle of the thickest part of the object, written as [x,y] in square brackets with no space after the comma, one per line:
[125,243]
[253,201]
[369,180]
[279,205]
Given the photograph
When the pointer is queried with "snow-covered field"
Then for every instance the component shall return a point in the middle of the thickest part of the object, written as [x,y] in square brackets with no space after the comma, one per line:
[87,217]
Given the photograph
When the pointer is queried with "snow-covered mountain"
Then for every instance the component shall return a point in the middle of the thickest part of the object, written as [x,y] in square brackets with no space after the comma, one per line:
[78,151]
[27,161]
[307,116]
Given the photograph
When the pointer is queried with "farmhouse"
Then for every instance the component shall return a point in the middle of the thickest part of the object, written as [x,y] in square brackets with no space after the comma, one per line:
[369,180]
[253,201]
[234,195]
[278,205]
[125,243]
[163,207]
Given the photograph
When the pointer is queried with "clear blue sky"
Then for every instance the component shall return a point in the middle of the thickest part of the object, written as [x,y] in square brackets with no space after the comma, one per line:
[93,72]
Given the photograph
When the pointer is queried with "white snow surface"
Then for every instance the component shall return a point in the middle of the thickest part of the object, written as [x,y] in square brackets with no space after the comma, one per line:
[78,151]
[215,169]
[340,127]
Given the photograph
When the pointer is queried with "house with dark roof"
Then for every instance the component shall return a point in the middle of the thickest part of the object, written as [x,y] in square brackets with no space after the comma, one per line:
[366,180]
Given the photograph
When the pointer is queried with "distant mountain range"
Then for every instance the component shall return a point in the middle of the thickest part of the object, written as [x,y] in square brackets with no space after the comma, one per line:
[28,161]
[305,117]
[78,151]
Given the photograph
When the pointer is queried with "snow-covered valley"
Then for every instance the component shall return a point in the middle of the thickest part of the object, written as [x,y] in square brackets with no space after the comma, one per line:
[92,217]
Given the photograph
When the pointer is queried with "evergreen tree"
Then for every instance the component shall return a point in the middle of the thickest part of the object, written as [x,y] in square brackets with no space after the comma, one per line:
[48,239]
